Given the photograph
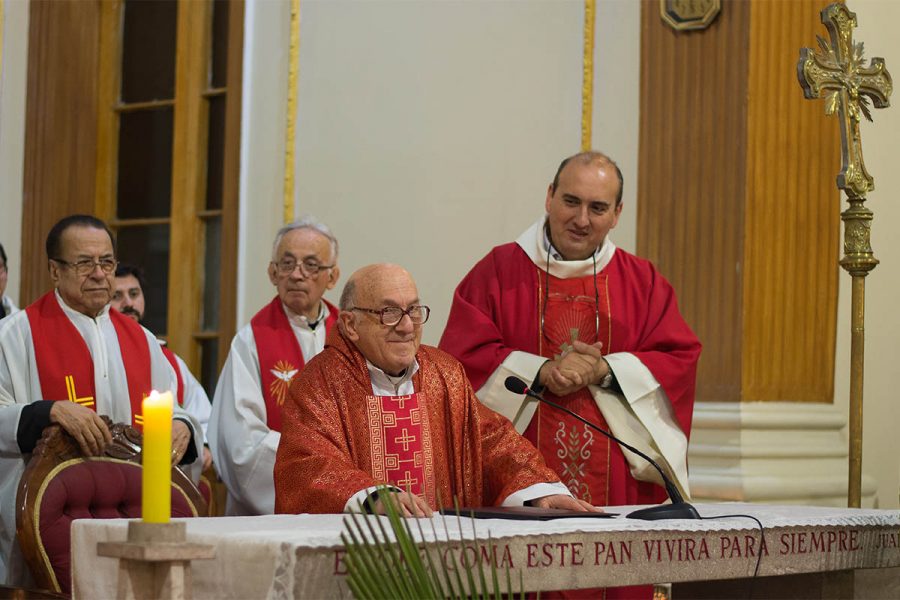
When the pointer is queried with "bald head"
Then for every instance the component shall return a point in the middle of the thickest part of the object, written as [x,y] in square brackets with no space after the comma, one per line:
[365,281]
[588,158]
[391,348]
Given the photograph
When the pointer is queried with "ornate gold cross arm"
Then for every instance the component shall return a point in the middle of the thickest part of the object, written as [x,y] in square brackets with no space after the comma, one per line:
[836,72]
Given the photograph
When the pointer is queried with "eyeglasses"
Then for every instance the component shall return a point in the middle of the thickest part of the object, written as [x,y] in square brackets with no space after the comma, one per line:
[87,266]
[392,315]
[309,268]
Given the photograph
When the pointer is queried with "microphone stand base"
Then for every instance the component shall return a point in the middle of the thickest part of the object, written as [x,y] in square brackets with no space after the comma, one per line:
[678,510]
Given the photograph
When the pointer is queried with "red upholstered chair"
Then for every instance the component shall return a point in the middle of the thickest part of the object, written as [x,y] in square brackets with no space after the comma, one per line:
[205,488]
[60,485]
[213,491]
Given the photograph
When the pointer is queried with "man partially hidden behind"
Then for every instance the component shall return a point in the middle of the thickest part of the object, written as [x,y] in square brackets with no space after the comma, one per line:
[68,359]
[7,307]
[128,298]
[377,408]
[246,421]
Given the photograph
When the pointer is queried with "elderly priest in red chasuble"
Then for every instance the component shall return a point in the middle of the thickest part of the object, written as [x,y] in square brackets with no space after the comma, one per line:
[378,408]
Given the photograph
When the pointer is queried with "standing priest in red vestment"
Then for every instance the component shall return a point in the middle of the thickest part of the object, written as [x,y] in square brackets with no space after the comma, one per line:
[377,408]
[594,327]
[245,425]
[597,330]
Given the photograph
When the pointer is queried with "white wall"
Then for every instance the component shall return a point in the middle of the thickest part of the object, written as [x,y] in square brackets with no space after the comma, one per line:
[429,131]
[877,21]
[617,87]
[13,60]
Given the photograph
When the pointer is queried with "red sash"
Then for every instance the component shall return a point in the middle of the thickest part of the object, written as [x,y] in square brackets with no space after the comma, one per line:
[170,356]
[64,363]
[579,455]
[279,354]
[400,441]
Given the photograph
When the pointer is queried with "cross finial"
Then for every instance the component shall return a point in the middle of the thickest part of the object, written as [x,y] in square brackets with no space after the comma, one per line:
[837,72]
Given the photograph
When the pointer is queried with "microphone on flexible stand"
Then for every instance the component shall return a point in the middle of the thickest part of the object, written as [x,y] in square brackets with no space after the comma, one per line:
[678,509]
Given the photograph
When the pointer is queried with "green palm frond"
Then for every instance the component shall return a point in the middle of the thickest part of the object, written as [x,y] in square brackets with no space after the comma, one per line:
[388,562]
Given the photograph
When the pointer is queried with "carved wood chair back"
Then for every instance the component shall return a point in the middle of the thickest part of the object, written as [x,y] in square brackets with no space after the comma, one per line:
[60,485]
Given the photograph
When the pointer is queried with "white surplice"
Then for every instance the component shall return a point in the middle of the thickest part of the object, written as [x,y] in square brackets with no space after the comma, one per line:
[9,307]
[20,385]
[196,402]
[242,445]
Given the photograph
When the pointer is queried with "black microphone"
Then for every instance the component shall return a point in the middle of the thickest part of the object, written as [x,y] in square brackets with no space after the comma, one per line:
[678,509]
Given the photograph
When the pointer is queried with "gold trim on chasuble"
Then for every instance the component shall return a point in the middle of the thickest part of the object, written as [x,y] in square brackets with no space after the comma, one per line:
[400,443]
[573,448]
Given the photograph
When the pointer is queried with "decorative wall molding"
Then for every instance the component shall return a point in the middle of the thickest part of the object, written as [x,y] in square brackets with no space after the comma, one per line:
[290,125]
[776,452]
[587,85]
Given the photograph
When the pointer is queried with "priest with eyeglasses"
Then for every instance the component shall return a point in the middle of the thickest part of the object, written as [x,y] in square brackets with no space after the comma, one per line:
[67,359]
[377,413]
[245,426]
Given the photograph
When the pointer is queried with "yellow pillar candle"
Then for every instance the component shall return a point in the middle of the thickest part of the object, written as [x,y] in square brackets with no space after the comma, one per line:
[156,494]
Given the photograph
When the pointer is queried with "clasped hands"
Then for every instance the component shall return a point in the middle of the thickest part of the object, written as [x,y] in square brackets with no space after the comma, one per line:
[410,505]
[577,368]
[92,434]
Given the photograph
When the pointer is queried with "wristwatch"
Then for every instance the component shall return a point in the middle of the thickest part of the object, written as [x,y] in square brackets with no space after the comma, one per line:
[607,380]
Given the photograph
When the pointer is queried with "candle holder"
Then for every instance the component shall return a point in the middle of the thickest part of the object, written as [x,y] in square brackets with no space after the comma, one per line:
[155,561]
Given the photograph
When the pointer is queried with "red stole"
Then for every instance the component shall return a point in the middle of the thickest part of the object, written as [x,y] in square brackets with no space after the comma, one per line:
[170,356]
[279,354]
[573,308]
[64,362]
[400,441]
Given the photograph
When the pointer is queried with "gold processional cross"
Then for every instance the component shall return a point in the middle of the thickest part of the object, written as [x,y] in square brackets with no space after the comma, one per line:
[836,72]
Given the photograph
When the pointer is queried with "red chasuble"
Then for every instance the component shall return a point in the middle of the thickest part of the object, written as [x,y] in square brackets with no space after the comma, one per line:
[64,362]
[497,309]
[280,358]
[339,438]
[170,356]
